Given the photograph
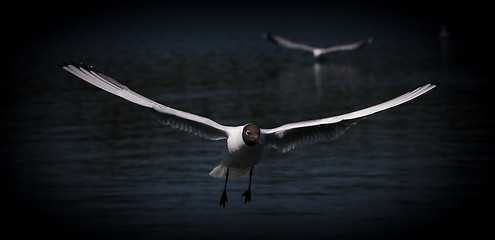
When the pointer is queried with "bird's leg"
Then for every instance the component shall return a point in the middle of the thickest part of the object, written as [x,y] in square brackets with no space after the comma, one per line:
[224,199]
[247,193]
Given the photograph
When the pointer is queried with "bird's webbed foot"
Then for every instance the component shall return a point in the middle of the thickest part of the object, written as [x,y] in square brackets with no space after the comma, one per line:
[223,199]
[247,195]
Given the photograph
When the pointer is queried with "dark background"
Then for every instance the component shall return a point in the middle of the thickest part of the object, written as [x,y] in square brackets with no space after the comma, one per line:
[34,32]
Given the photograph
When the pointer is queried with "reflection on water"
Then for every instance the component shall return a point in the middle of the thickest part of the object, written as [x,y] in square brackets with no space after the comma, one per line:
[295,77]
[85,163]
[444,37]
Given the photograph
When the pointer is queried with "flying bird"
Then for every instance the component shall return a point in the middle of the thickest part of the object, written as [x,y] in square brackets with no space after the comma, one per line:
[317,52]
[245,143]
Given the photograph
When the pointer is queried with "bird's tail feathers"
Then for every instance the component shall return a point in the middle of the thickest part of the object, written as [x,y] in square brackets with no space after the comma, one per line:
[220,171]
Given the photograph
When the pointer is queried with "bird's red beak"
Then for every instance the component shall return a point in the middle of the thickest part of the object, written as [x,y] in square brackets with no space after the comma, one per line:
[258,140]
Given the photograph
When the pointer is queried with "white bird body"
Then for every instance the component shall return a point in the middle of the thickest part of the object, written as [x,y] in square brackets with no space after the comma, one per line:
[245,143]
[240,158]
[317,52]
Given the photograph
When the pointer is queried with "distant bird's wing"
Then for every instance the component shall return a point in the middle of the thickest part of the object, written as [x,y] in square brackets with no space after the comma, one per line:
[287,43]
[174,118]
[293,135]
[347,47]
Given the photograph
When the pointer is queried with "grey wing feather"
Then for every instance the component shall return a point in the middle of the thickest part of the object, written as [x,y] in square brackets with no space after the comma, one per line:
[174,118]
[191,126]
[290,139]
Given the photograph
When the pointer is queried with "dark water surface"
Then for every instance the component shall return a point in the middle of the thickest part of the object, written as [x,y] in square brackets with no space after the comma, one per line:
[79,162]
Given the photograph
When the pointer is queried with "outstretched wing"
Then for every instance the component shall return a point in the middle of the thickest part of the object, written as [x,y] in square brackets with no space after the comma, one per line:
[287,140]
[200,126]
[292,135]
[348,47]
[287,43]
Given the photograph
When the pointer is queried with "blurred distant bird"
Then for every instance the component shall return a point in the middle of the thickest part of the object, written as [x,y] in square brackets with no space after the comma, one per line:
[444,33]
[246,142]
[316,51]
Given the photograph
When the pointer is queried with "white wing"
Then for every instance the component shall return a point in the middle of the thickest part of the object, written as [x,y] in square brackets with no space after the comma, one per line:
[292,135]
[287,43]
[347,47]
[174,118]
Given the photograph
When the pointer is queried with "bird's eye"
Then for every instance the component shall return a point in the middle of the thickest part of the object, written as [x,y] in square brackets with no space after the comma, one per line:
[248,132]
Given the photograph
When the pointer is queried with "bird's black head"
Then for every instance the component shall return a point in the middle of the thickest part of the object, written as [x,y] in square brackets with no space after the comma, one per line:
[268,36]
[251,134]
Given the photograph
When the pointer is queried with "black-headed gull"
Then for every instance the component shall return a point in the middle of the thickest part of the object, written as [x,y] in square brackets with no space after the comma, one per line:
[317,52]
[245,143]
